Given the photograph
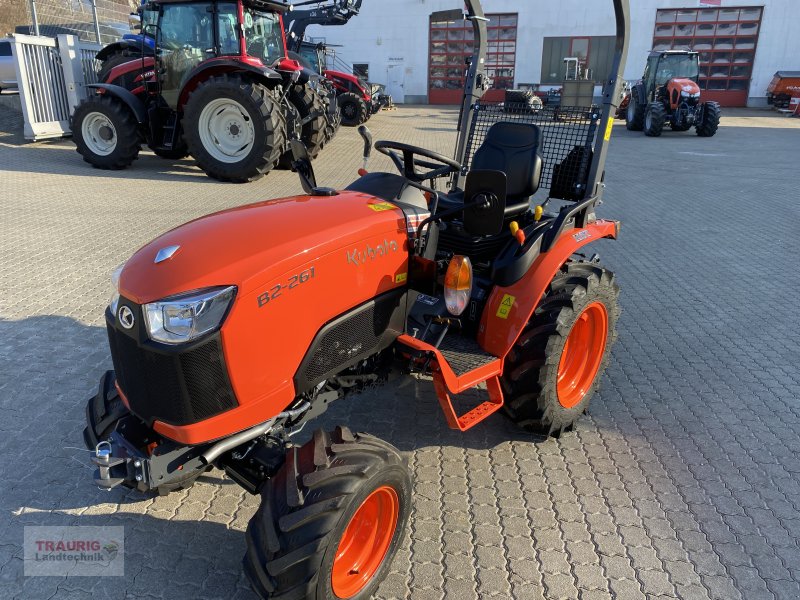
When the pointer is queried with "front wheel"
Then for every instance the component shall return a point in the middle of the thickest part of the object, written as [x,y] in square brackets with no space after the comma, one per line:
[354,110]
[654,119]
[234,129]
[330,521]
[709,122]
[553,370]
[106,133]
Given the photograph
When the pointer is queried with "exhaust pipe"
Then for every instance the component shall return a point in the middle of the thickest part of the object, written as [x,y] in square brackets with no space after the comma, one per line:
[214,452]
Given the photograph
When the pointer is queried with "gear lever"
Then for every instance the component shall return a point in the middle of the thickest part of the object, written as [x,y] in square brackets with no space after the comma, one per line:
[365,134]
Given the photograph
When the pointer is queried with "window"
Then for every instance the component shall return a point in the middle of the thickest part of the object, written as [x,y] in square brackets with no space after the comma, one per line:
[227,37]
[452,43]
[580,48]
[264,35]
[594,53]
[361,70]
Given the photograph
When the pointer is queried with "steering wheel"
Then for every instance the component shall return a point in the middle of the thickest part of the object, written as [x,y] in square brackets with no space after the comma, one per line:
[408,163]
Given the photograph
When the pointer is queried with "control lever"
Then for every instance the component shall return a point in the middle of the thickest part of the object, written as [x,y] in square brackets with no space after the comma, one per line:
[365,134]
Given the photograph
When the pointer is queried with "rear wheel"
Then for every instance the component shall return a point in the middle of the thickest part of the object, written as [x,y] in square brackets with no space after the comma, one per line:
[709,124]
[654,119]
[233,129]
[552,372]
[354,110]
[331,520]
[311,108]
[106,132]
[634,117]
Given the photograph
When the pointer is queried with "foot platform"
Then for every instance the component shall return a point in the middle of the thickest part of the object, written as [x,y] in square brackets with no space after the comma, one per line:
[460,364]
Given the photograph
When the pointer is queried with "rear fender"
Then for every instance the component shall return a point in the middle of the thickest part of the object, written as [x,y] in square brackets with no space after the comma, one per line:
[509,309]
[212,68]
[137,106]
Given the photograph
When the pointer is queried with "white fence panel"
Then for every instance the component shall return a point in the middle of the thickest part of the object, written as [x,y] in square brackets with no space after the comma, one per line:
[52,76]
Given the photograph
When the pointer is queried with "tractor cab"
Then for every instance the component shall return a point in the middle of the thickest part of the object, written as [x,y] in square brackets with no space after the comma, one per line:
[665,66]
[188,33]
[311,56]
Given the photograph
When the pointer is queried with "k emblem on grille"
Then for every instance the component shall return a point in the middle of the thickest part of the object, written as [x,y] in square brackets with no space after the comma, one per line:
[126,318]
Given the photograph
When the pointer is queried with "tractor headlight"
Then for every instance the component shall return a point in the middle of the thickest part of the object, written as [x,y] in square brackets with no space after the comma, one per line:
[186,317]
[115,275]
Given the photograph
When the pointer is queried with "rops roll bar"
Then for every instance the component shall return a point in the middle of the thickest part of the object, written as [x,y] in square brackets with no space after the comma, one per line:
[477,82]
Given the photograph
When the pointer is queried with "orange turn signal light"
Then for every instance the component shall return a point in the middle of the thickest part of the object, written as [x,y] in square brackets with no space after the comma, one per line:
[458,285]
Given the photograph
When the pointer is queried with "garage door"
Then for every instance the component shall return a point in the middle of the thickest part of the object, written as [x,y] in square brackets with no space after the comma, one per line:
[726,39]
[451,43]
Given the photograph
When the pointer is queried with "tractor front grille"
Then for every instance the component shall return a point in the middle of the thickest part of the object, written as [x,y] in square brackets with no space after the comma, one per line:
[179,385]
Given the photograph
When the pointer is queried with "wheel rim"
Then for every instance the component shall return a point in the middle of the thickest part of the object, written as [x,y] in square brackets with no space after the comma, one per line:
[99,133]
[582,354]
[365,542]
[226,130]
[349,110]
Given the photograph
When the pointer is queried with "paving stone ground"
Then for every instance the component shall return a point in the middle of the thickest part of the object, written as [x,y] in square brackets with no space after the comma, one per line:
[682,482]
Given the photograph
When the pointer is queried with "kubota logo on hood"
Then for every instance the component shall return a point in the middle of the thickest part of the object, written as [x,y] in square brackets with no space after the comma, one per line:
[359,257]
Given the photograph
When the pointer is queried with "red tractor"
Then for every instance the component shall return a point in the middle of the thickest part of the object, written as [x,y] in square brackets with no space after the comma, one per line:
[216,84]
[358,99]
[230,333]
[669,94]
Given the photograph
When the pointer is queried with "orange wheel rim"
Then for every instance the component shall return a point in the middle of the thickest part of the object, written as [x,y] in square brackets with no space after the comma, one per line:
[582,355]
[365,542]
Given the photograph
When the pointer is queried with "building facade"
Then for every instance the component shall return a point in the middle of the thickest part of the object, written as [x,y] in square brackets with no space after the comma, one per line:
[742,43]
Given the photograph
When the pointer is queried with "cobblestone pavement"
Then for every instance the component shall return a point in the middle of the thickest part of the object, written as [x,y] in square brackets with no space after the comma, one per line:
[681,483]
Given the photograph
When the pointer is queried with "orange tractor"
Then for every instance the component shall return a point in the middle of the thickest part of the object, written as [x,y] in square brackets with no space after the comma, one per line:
[230,333]
[669,94]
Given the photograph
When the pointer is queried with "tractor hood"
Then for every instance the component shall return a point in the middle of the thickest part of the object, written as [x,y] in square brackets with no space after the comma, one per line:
[687,86]
[251,245]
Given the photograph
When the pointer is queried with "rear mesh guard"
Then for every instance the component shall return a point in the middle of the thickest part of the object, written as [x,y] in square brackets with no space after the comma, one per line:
[568,137]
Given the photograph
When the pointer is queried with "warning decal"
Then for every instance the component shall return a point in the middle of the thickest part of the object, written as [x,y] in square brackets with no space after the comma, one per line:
[609,129]
[505,306]
[381,206]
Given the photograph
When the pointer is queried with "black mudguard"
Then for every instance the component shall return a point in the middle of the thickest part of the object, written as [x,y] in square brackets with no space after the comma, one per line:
[136,105]
[122,47]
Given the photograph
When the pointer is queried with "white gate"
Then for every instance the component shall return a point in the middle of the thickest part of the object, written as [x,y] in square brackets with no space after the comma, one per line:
[52,74]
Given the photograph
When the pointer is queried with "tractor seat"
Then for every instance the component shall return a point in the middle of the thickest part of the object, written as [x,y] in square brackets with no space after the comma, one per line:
[514,149]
